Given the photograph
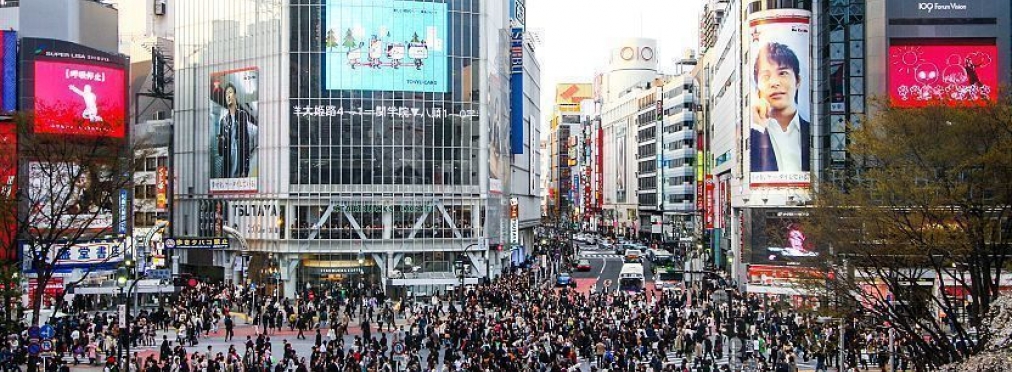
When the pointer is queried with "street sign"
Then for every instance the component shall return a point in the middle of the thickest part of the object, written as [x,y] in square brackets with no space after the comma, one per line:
[399,348]
[122,316]
[47,332]
[33,332]
[47,345]
[182,242]
[159,274]
[34,349]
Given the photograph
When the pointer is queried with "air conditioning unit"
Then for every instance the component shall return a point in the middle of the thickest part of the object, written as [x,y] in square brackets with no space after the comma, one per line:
[160,7]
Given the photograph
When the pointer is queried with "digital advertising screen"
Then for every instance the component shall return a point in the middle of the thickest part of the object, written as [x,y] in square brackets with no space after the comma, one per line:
[79,99]
[8,188]
[923,73]
[778,238]
[779,101]
[386,45]
[235,129]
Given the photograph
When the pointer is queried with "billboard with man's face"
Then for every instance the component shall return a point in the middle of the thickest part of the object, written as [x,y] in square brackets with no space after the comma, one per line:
[234,131]
[779,104]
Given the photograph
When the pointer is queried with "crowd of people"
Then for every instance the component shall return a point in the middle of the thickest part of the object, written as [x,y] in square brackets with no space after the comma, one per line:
[518,322]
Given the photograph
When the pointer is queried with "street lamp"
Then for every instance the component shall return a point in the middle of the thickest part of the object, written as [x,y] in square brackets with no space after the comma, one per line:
[462,267]
[361,269]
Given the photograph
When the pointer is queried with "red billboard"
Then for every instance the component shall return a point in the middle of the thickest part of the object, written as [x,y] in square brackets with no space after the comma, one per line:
[162,189]
[922,73]
[8,186]
[709,201]
[75,98]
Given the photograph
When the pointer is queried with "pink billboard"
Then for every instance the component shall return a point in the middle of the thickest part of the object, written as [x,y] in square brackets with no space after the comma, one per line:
[922,74]
[79,99]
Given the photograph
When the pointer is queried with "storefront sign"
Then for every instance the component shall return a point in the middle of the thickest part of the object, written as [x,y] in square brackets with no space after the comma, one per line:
[256,219]
[514,221]
[161,189]
[196,243]
[371,208]
[95,255]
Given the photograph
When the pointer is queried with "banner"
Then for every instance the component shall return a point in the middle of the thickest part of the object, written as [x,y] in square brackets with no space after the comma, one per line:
[517,91]
[709,203]
[234,131]
[779,101]
[161,189]
[98,255]
[514,221]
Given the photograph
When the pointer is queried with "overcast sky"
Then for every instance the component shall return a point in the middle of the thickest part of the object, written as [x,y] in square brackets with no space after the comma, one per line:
[577,34]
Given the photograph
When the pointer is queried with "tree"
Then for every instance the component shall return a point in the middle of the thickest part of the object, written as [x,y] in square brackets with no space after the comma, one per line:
[349,40]
[67,194]
[920,232]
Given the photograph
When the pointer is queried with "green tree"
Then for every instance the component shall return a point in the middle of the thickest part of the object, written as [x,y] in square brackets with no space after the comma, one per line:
[349,40]
[927,202]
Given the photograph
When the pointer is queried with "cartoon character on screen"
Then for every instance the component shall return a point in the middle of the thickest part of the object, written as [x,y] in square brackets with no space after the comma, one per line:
[395,52]
[418,50]
[375,52]
[926,75]
[90,103]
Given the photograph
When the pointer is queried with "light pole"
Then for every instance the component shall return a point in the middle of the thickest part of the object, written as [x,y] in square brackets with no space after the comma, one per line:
[361,269]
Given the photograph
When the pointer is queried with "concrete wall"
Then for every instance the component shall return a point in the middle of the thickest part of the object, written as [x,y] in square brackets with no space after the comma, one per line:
[84,22]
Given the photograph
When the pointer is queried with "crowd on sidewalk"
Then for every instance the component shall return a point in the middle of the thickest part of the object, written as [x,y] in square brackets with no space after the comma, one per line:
[514,323]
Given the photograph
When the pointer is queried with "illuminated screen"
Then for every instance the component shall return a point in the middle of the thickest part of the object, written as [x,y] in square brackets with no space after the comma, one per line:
[79,99]
[922,74]
[389,45]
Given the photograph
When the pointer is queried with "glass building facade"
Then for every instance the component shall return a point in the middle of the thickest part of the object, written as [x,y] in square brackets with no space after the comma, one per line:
[378,144]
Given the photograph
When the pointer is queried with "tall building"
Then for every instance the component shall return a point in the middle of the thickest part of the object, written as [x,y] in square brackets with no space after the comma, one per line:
[345,150]
[841,55]
[709,22]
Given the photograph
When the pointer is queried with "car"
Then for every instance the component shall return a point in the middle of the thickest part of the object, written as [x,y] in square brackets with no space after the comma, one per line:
[633,255]
[604,246]
[564,280]
[583,265]
[661,257]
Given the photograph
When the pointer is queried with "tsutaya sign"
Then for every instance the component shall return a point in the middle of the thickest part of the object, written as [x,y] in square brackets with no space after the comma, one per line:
[256,219]
[514,221]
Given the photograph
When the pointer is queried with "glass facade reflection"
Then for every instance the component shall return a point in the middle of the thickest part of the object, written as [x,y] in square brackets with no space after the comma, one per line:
[392,137]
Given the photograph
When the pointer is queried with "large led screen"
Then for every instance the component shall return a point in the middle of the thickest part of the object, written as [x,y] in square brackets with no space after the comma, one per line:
[73,98]
[386,45]
[921,74]
[234,131]
[779,67]
[778,238]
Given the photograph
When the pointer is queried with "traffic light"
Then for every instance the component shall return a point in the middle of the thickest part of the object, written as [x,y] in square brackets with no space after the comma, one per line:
[128,260]
[122,275]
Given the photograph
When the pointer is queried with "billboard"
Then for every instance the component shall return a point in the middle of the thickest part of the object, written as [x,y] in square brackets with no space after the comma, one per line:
[234,131]
[8,71]
[162,189]
[96,255]
[778,238]
[8,187]
[64,196]
[779,107]
[256,219]
[922,72]
[573,93]
[79,98]
[393,45]
[517,91]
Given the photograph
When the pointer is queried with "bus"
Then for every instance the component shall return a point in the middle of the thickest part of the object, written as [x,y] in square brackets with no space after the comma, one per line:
[631,278]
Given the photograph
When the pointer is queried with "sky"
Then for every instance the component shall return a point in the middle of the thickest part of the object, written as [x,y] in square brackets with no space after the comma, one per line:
[577,35]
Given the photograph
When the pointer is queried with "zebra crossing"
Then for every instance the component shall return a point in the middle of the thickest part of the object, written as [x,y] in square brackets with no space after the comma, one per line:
[600,255]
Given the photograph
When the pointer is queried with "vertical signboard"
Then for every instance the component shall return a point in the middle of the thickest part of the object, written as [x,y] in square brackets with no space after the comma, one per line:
[121,219]
[8,71]
[514,221]
[708,195]
[517,90]
[8,183]
[234,131]
[779,101]
[161,189]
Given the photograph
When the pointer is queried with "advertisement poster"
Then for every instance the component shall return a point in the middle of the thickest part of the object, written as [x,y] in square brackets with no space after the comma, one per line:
[395,45]
[779,108]
[708,194]
[778,238]
[75,98]
[234,131]
[620,164]
[924,73]
[97,255]
[211,216]
[63,207]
